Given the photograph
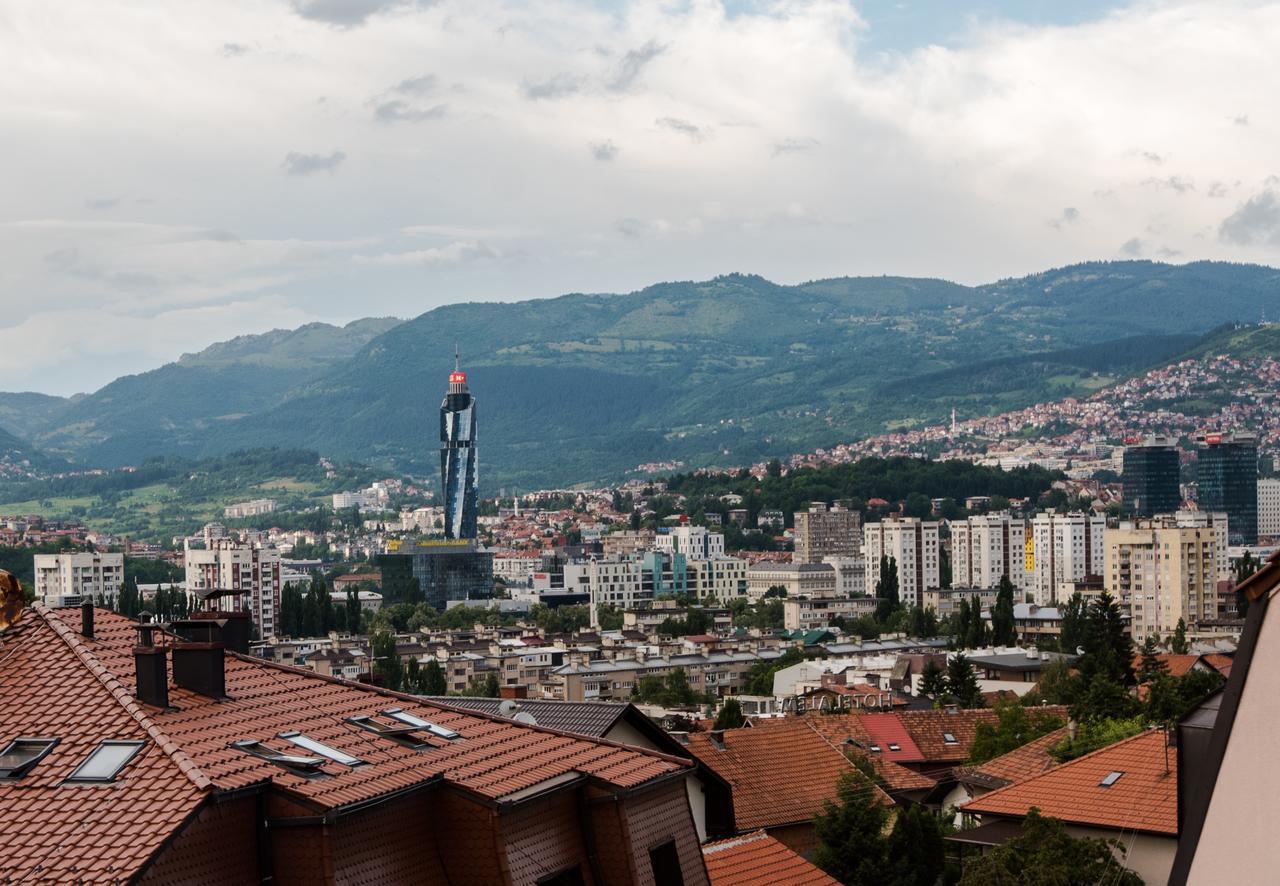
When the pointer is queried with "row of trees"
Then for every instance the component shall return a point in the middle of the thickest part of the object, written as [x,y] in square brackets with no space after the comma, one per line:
[314,614]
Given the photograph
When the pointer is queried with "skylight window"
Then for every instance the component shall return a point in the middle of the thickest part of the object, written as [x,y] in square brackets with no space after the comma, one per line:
[949,738]
[895,747]
[22,754]
[419,723]
[105,761]
[1110,779]
[875,748]
[289,761]
[323,750]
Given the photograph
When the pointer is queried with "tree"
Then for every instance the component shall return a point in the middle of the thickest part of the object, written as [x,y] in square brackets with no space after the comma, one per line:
[962,682]
[649,688]
[730,716]
[759,679]
[849,831]
[1015,726]
[1045,855]
[1108,649]
[775,591]
[933,681]
[919,505]
[353,610]
[1150,665]
[678,690]
[387,667]
[1074,624]
[1246,567]
[609,617]
[1003,630]
[915,852]
[1169,699]
[887,590]
[1178,644]
[433,682]
[491,688]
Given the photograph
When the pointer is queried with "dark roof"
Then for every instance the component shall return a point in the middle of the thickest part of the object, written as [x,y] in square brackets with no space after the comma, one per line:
[594,718]
[1018,661]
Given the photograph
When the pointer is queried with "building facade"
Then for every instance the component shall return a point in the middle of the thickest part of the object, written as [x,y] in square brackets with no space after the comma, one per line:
[1151,476]
[253,569]
[822,532]
[987,547]
[1227,480]
[695,542]
[1066,549]
[1160,573]
[435,572]
[458,457]
[1268,508]
[798,579]
[69,579]
[912,544]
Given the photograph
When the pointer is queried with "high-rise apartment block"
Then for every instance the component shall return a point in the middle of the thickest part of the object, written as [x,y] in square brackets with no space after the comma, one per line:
[987,547]
[1151,477]
[1269,508]
[1227,480]
[458,457]
[1161,572]
[912,544]
[249,568]
[69,579]
[1220,524]
[827,532]
[1066,548]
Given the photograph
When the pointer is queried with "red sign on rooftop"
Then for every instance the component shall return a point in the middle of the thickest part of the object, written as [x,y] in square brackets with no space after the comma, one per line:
[457,378]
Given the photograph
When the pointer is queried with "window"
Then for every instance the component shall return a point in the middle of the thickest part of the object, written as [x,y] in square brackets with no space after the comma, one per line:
[289,761]
[105,761]
[949,738]
[437,731]
[895,747]
[1110,779]
[665,861]
[22,754]
[323,750]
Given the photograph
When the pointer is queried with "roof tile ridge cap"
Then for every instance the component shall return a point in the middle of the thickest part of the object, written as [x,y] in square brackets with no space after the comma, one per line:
[104,675]
[734,842]
[1053,770]
[470,712]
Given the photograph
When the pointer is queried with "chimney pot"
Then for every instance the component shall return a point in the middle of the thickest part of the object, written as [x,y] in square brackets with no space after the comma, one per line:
[86,618]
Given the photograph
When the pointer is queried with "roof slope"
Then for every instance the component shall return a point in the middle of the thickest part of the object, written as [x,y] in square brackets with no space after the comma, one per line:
[1030,760]
[53,687]
[582,717]
[760,860]
[780,770]
[848,732]
[1143,798]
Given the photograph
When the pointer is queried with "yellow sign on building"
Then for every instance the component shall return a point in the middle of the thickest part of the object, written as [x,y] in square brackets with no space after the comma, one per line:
[1029,547]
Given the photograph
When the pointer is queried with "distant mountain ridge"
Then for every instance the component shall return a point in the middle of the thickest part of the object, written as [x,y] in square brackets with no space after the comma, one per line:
[727,371]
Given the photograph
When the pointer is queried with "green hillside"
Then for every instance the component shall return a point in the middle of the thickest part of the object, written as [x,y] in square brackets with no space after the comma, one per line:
[720,372]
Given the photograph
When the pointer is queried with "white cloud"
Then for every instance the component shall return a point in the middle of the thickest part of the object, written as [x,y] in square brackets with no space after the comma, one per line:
[767,133]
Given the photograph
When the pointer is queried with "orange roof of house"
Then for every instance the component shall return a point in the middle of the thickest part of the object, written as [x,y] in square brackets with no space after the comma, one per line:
[81,690]
[1177,665]
[759,860]
[840,729]
[1143,798]
[1219,662]
[780,770]
[930,729]
[1030,760]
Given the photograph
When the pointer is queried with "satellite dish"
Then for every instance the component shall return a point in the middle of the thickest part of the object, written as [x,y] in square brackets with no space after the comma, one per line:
[525,717]
[508,708]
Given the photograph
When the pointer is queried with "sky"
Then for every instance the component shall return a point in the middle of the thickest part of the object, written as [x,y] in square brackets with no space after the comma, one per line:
[176,173]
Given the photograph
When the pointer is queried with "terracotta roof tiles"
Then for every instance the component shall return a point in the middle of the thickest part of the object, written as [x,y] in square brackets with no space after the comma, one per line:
[1030,760]
[759,860]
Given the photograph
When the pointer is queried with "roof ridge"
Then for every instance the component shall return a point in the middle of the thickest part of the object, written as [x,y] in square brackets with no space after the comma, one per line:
[124,698]
[1061,767]
[734,842]
[497,718]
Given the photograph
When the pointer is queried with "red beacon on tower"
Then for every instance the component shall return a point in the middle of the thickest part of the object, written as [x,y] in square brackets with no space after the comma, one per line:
[456,377]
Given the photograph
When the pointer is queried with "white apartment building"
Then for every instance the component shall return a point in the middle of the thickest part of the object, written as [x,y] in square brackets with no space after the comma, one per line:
[345,500]
[695,542]
[253,569]
[723,579]
[1161,572]
[799,579]
[808,613]
[912,544]
[71,578]
[1217,521]
[1067,547]
[1268,508]
[516,568]
[987,547]
[851,575]
[249,508]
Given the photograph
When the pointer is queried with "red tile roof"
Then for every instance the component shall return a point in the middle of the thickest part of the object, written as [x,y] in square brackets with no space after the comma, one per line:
[760,860]
[1219,662]
[57,683]
[840,728]
[1177,665]
[1144,797]
[887,733]
[780,770]
[1030,760]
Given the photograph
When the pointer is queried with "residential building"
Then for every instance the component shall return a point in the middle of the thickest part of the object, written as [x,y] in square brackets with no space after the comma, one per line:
[797,579]
[718,673]
[695,542]
[1227,480]
[912,544]
[810,613]
[458,457]
[249,508]
[70,578]
[946,601]
[1067,548]
[822,532]
[1151,476]
[851,575]
[754,859]
[435,571]
[226,769]
[345,501]
[1269,508]
[771,521]
[722,579]
[626,542]
[1220,524]
[1161,573]
[251,568]
[987,547]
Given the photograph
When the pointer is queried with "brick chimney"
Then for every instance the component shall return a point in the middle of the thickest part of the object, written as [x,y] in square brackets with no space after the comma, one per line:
[199,658]
[150,666]
[513,692]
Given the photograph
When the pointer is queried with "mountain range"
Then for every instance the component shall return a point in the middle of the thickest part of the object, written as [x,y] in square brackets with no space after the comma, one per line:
[585,387]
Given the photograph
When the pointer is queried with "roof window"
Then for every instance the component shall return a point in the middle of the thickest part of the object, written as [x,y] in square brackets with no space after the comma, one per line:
[323,750]
[22,754]
[875,749]
[296,762]
[949,738]
[419,723]
[1110,779]
[105,761]
[895,747]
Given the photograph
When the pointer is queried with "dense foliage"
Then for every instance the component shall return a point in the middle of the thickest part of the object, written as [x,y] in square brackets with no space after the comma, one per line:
[1044,854]
[1015,725]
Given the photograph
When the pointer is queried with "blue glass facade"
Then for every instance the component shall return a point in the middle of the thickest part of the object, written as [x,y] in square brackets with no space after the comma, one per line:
[458,458]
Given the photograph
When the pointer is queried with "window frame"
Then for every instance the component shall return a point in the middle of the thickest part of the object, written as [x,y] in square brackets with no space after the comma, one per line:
[14,773]
[76,778]
[320,749]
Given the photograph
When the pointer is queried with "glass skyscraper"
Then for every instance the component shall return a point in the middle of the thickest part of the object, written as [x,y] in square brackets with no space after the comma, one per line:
[1151,477]
[458,457]
[1227,480]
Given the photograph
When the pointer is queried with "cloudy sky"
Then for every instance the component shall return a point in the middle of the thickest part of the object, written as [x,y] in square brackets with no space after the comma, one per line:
[179,172]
